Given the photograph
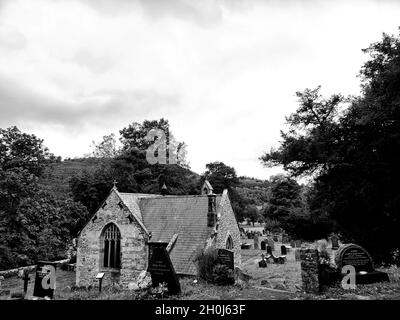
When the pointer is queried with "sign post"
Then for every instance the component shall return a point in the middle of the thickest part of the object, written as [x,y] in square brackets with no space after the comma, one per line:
[100,277]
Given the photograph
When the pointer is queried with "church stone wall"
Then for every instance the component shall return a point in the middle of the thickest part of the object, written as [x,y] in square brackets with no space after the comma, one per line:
[228,226]
[133,246]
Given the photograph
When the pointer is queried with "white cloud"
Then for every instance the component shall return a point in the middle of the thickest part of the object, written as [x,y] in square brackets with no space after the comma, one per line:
[223,73]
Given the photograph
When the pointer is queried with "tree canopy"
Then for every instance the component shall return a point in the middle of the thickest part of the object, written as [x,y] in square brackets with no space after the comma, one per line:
[351,146]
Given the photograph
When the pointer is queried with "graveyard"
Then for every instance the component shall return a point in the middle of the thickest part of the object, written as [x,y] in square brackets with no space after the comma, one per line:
[269,281]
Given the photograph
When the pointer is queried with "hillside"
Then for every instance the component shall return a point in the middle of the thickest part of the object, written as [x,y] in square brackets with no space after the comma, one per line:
[57,175]
[256,191]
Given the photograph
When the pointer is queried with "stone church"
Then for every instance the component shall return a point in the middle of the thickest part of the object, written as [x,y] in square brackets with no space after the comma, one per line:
[115,240]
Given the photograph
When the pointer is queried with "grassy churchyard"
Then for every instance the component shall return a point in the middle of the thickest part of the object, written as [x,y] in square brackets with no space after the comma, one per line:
[275,282]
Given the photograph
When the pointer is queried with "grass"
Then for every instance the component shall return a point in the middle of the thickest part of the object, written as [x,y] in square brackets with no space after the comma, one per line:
[274,282]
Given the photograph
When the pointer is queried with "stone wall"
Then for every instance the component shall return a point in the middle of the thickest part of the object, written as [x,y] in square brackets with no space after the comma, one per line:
[309,270]
[133,246]
[227,225]
[17,271]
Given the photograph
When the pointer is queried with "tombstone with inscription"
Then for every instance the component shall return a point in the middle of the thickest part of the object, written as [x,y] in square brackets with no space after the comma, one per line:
[335,242]
[45,279]
[360,259]
[225,257]
[161,268]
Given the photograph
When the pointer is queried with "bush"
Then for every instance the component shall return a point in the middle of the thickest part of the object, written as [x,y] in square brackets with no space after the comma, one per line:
[206,260]
[222,275]
[210,270]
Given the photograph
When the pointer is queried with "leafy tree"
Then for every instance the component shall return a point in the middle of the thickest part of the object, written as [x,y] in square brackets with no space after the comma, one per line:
[107,148]
[353,154]
[22,150]
[135,136]
[221,176]
[34,224]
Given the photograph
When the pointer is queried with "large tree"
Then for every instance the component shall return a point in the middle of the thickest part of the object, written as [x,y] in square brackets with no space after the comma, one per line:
[353,154]
[138,136]
[34,224]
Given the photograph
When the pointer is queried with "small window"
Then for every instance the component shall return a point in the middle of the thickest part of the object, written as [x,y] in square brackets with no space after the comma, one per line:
[111,240]
[229,243]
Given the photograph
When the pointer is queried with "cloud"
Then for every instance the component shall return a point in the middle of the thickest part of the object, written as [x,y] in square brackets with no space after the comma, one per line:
[223,72]
[20,105]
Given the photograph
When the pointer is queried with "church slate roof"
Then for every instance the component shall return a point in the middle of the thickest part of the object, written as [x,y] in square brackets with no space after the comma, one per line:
[186,216]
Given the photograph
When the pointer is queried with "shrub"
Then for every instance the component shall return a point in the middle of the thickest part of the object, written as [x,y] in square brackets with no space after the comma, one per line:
[222,275]
[210,270]
[206,260]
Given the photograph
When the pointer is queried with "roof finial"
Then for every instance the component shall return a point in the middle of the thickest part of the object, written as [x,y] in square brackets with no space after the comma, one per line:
[115,184]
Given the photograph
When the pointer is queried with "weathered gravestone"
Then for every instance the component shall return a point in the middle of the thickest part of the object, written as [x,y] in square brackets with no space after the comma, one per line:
[297,255]
[245,246]
[271,243]
[360,259]
[226,258]
[256,241]
[262,263]
[309,270]
[263,245]
[335,242]
[161,268]
[45,279]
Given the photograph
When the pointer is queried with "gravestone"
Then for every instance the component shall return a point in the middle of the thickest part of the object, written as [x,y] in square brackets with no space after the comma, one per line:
[269,250]
[297,255]
[263,245]
[161,268]
[262,263]
[360,259]
[283,250]
[298,243]
[45,279]
[271,243]
[256,241]
[335,242]
[225,257]
[285,238]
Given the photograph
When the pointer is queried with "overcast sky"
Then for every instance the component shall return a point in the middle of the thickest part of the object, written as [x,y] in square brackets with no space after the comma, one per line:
[224,73]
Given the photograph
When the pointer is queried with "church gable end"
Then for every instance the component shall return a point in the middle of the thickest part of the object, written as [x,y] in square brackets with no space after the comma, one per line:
[97,240]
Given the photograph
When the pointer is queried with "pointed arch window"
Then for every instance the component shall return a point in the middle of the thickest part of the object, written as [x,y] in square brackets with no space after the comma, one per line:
[229,243]
[111,240]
